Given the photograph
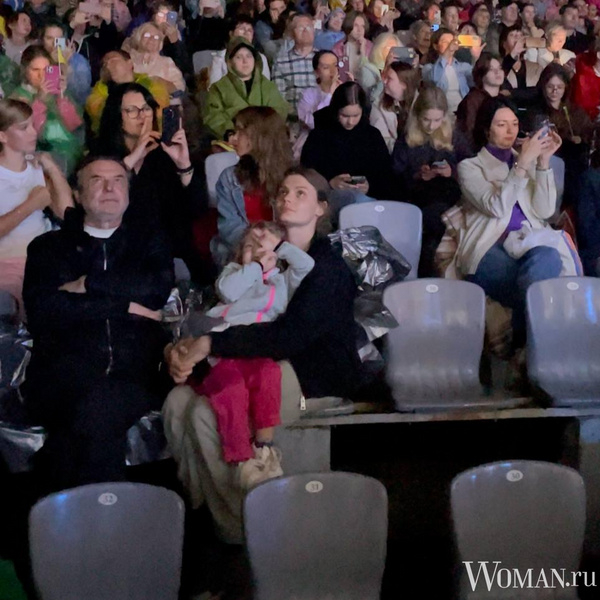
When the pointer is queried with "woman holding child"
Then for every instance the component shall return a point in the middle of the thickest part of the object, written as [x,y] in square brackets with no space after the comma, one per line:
[313,341]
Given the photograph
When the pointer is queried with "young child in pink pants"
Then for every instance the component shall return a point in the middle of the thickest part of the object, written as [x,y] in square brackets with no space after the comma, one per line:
[246,393]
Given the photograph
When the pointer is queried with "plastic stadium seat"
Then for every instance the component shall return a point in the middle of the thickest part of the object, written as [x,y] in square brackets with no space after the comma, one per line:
[525,514]
[317,536]
[8,305]
[401,224]
[433,355]
[564,339]
[108,541]
[214,166]
[557,165]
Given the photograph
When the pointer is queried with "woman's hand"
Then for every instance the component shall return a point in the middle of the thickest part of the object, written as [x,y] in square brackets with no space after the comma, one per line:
[550,144]
[388,19]
[185,355]
[142,311]
[147,142]
[426,173]
[74,287]
[341,182]
[476,51]
[442,171]
[170,31]
[453,46]
[518,49]
[178,150]
[79,18]
[531,149]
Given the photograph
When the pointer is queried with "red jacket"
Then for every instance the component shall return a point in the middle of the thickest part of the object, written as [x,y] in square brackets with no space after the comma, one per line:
[586,84]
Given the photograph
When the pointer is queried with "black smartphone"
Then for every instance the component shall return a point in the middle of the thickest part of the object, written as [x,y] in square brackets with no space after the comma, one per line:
[357,179]
[171,123]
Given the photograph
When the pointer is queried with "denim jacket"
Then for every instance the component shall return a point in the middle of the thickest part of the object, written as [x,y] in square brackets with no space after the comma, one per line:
[232,220]
[436,73]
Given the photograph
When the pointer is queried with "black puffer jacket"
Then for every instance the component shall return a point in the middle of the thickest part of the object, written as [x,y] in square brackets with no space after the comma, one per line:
[96,328]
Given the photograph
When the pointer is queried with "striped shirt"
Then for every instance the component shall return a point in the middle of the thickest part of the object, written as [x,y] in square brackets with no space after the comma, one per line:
[293,73]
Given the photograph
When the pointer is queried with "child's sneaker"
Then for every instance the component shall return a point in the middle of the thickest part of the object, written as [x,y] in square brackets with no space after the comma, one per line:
[266,464]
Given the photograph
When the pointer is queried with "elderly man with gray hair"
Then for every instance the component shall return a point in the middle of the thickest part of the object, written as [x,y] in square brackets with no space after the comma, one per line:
[92,293]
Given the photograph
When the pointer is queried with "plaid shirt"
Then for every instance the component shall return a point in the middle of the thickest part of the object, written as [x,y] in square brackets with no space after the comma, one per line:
[293,73]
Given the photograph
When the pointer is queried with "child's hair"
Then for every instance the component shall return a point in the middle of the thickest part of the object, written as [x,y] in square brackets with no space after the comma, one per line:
[271,226]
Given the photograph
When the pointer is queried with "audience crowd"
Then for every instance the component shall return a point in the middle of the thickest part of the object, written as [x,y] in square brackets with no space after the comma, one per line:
[481,113]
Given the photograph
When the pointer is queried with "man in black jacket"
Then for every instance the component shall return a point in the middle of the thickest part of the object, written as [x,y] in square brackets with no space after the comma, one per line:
[92,293]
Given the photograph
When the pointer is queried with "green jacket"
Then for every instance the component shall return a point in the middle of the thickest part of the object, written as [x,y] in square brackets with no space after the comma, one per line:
[228,96]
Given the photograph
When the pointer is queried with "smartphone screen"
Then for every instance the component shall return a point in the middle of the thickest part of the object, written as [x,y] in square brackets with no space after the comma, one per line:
[52,78]
[469,41]
[61,43]
[171,122]
[172,17]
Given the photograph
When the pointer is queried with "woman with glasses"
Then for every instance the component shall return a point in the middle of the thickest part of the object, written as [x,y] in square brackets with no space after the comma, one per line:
[56,116]
[570,121]
[146,45]
[165,191]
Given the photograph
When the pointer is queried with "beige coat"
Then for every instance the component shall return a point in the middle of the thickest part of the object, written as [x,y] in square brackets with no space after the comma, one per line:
[490,191]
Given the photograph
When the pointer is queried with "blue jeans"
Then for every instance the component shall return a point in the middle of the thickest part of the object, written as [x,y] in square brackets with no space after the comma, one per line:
[507,279]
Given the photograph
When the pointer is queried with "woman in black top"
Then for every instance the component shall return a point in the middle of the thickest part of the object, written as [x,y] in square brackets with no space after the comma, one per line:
[316,335]
[344,145]
[166,191]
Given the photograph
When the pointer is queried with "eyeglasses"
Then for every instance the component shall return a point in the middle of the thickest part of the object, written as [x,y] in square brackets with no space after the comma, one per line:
[133,112]
[154,36]
[304,28]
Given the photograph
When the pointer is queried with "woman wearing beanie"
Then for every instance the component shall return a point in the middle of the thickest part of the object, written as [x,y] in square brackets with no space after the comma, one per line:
[243,86]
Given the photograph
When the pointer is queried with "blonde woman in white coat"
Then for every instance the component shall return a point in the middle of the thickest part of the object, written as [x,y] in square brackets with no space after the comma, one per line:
[501,190]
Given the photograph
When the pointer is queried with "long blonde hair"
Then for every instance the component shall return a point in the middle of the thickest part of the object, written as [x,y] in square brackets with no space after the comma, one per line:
[430,97]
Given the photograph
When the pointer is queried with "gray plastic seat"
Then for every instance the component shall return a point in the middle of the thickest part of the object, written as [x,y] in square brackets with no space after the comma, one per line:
[564,339]
[215,164]
[401,224]
[8,304]
[432,358]
[317,536]
[525,514]
[108,541]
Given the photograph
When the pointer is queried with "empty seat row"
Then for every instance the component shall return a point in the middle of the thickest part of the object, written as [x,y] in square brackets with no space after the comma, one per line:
[313,536]
[433,355]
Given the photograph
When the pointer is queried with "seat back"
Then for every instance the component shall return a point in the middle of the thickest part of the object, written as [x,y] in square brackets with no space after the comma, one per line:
[525,514]
[8,305]
[557,165]
[317,536]
[202,60]
[564,338]
[433,355]
[215,164]
[108,541]
[401,224]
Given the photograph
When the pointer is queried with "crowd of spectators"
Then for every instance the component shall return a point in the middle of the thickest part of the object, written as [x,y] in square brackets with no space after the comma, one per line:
[470,110]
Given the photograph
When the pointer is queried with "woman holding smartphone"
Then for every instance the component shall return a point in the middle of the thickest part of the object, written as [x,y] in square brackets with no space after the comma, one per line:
[165,190]
[56,117]
[348,151]
[425,160]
